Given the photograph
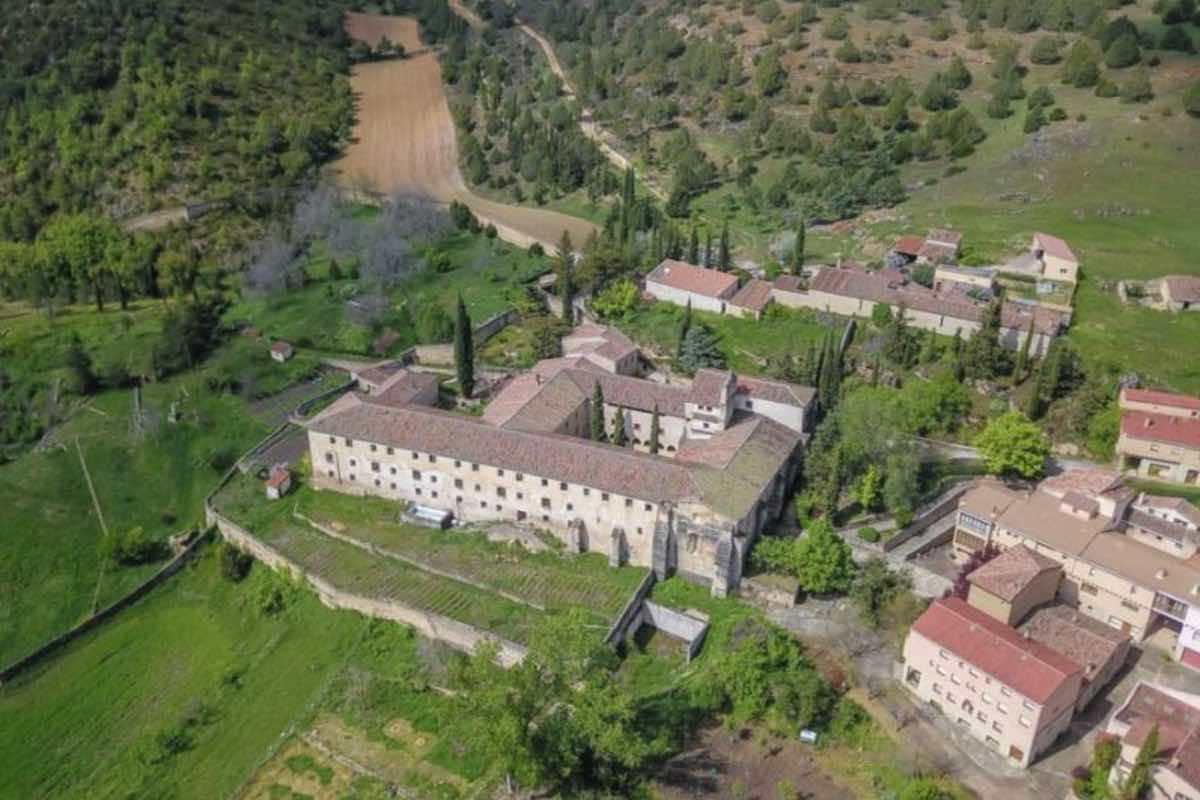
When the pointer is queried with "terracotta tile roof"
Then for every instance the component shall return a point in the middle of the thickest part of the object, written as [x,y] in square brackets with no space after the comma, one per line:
[711,387]
[1081,502]
[604,341]
[1088,642]
[1007,575]
[1178,721]
[988,501]
[1161,428]
[690,278]
[278,478]
[1030,668]
[281,347]
[790,394]
[1086,481]
[1054,246]
[1161,527]
[1143,565]
[744,459]
[753,296]
[1152,397]
[789,283]
[935,251]
[908,245]
[1183,288]
[1177,504]
[403,387]
[561,458]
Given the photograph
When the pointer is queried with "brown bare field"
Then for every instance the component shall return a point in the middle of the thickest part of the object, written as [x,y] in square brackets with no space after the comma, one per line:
[405,138]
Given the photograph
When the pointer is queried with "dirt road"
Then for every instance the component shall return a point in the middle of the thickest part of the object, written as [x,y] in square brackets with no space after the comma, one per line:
[586,122]
[405,139]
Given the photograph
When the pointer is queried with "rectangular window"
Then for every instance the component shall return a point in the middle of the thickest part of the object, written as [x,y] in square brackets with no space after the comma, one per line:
[937,688]
[377,482]
[647,506]
[372,448]
[1024,720]
[457,463]
[545,502]
[418,491]
[333,440]
[1130,605]
[416,473]
[329,458]
[1028,705]
[570,507]
[501,491]
[499,473]
[520,476]
[1089,588]
[349,442]
[483,504]
[628,503]
[393,487]
[545,482]
[416,454]
[432,458]
[331,473]
[1003,709]
[391,451]
[393,470]
[604,496]
[587,492]
[458,483]
[474,468]
[374,466]
[562,487]
[353,463]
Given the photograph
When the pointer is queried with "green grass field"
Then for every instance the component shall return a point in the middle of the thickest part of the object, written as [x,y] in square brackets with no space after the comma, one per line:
[200,664]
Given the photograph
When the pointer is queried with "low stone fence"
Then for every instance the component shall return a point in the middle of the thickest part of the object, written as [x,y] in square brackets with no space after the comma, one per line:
[458,635]
[930,514]
[493,325]
[103,615]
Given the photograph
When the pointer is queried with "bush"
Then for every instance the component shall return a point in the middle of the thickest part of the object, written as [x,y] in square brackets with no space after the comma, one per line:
[1191,100]
[1106,88]
[134,547]
[1057,115]
[235,565]
[1048,50]
[869,534]
[1123,52]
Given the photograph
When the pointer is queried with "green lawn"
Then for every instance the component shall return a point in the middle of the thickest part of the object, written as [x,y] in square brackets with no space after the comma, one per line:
[91,722]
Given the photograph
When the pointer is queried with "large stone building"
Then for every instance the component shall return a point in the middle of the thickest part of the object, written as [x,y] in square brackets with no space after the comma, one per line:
[1010,665]
[728,452]
[1128,559]
[1160,435]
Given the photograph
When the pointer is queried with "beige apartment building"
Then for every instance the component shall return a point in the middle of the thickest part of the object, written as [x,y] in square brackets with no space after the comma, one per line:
[728,454]
[1127,559]
[1012,693]
[1160,435]
[1176,771]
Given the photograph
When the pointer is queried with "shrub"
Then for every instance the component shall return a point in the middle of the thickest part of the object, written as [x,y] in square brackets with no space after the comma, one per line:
[1179,40]
[1106,88]
[1191,100]
[1057,114]
[134,547]
[235,565]
[1048,50]
[1123,52]
[869,534]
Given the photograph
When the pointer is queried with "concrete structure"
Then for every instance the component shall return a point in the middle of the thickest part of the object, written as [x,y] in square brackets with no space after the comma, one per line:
[728,454]
[279,482]
[1160,435]
[1176,771]
[281,351]
[1059,262]
[940,247]
[1015,694]
[1127,560]
[680,283]
[979,279]
[854,292]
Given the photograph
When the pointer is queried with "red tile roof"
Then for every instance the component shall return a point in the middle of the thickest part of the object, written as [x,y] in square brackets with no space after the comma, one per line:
[1161,428]
[1088,642]
[1087,481]
[1183,288]
[775,391]
[711,387]
[1178,728]
[753,296]
[1030,668]
[281,347]
[908,245]
[1152,397]
[789,283]
[1007,575]
[1054,246]
[690,278]
[278,478]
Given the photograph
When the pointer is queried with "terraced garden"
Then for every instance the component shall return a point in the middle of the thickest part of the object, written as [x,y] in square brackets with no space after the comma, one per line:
[547,579]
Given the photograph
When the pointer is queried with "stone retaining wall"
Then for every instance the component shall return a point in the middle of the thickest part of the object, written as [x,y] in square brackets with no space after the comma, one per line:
[930,514]
[458,635]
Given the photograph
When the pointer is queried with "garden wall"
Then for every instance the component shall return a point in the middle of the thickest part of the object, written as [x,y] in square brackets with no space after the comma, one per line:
[939,508]
[458,635]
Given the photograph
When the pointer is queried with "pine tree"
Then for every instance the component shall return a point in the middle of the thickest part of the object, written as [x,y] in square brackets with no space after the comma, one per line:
[694,247]
[464,350]
[724,261]
[597,413]
[1023,355]
[798,248]
[708,251]
[655,431]
[618,429]
[685,327]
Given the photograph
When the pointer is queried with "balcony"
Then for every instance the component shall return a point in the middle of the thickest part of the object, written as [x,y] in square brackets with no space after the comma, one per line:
[968,541]
[1170,607]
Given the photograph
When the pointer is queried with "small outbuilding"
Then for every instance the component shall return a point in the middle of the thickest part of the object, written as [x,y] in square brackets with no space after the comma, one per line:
[281,351]
[279,482]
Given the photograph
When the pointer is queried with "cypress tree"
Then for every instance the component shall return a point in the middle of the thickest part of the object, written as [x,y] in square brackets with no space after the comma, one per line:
[798,248]
[723,259]
[708,251]
[597,413]
[618,430]
[1033,403]
[566,278]
[1023,355]
[655,432]
[686,326]
[694,247]
[464,350]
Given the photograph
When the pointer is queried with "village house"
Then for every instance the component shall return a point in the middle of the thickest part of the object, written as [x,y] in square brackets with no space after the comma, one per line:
[1176,715]
[852,291]
[1180,292]
[680,283]
[605,347]
[1127,559]
[939,247]
[1010,664]
[281,351]
[279,482]
[728,451]
[1160,435]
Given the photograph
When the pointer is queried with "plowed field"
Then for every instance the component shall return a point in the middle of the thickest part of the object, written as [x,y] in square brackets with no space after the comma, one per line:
[405,138]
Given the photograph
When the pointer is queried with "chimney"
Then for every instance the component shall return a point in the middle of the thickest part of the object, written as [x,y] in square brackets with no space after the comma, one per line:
[1149,422]
[1161,574]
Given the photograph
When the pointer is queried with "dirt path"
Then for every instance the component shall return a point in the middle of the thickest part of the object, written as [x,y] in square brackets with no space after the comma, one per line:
[586,122]
[405,139]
